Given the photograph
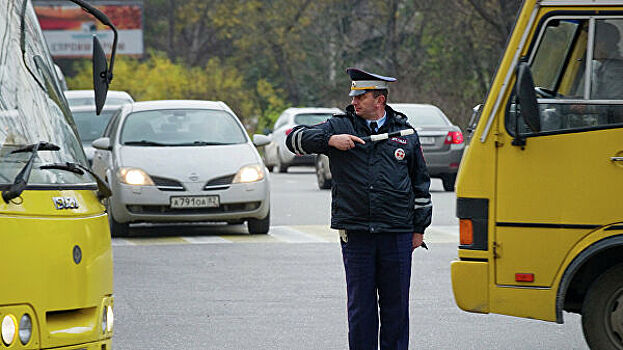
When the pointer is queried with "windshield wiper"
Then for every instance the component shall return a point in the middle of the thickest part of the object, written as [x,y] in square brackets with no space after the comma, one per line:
[200,143]
[144,143]
[103,191]
[21,180]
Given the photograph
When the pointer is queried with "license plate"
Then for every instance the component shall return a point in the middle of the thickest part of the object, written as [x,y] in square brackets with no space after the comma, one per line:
[183,202]
[427,140]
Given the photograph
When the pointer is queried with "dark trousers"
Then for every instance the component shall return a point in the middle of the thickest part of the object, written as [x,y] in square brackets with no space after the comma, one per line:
[378,265]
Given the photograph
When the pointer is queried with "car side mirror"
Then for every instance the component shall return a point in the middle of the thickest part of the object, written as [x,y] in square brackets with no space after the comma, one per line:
[260,140]
[103,143]
[528,105]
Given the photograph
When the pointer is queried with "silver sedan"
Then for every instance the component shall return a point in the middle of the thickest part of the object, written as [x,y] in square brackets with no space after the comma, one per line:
[276,154]
[182,161]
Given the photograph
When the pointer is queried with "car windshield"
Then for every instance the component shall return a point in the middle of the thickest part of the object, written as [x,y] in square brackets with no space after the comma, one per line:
[311,118]
[422,115]
[182,127]
[90,101]
[90,126]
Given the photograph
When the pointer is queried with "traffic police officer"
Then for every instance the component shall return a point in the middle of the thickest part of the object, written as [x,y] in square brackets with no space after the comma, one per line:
[380,204]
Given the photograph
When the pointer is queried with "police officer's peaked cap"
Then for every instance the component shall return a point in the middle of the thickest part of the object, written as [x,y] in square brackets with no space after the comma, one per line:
[364,81]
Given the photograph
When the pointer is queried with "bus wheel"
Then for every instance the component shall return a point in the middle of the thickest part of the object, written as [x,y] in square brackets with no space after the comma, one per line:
[602,311]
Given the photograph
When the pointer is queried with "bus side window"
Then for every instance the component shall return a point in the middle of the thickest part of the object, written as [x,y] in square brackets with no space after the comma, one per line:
[573,92]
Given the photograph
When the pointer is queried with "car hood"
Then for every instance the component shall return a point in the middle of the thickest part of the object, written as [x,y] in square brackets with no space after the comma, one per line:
[189,164]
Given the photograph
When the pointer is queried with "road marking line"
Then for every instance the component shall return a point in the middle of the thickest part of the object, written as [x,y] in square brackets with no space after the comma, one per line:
[120,242]
[292,234]
[157,240]
[205,239]
[324,232]
[280,234]
[251,239]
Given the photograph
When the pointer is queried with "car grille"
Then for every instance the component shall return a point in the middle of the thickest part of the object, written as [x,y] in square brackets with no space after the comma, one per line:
[219,183]
[165,209]
[165,184]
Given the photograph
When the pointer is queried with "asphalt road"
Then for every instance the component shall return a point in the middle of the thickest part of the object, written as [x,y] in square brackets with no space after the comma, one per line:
[216,287]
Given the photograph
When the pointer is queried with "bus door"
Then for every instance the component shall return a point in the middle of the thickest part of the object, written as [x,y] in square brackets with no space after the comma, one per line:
[560,182]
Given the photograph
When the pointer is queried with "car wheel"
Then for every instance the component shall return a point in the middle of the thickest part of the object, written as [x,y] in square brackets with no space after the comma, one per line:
[118,229]
[259,226]
[602,311]
[265,160]
[448,181]
[323,182]
[280,166]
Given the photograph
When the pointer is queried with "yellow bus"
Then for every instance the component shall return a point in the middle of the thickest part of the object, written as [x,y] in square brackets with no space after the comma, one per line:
[538,191]
[56,288]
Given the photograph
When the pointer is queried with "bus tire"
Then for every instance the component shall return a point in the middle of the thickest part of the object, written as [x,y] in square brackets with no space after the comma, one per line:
[602,311]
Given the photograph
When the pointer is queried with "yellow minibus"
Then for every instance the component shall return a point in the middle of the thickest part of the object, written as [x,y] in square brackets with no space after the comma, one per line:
[538,190]
[56,272]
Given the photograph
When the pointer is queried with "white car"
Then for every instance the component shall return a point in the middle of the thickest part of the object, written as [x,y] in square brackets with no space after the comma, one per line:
[276,154]
[182,161]
[86,98]
[90,125]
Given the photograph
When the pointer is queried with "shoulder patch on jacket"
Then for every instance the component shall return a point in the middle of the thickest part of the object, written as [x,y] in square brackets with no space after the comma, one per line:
[399,140]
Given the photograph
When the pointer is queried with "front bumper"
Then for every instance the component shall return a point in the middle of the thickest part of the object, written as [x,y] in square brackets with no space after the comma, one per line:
[133,204]
[99,345]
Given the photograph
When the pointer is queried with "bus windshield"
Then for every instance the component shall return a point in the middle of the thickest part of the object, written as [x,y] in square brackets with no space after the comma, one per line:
[32,105]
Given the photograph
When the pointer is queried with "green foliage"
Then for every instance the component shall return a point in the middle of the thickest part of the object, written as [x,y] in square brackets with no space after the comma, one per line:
[272,102]
[158,78]
[261,56]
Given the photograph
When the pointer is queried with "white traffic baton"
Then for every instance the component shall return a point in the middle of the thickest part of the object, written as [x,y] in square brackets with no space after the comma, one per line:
[385,136]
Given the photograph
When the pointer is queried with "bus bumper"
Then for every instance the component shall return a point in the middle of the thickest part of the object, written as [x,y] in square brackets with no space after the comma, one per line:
[470,284]
[105,344]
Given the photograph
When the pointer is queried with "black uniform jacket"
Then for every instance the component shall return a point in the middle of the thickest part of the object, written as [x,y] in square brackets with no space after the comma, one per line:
[378,187]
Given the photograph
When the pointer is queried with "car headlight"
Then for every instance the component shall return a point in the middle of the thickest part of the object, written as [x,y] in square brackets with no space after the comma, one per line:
[134,176]
[9,328]
[249,173]
[25,329]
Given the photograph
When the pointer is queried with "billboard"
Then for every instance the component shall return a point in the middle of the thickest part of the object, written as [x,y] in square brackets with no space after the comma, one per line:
[69,30]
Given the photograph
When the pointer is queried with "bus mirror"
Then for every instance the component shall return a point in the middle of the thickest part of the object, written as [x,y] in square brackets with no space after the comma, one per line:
[100,75]
[528,106]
